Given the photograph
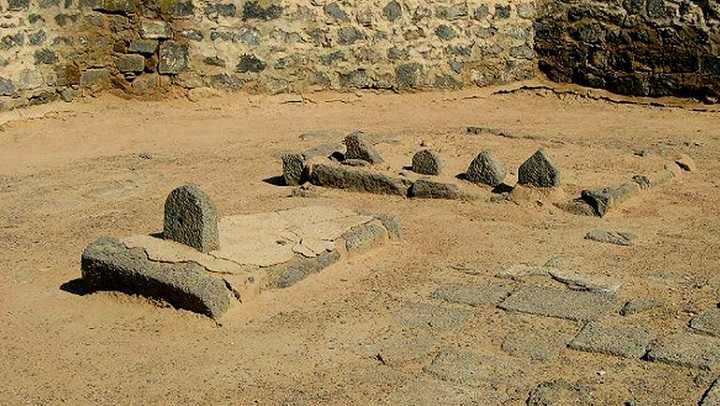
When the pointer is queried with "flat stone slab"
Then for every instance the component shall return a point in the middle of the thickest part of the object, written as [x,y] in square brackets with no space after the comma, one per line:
[560,392]
[424,390]
[707,322]
[401,348]
[536,343]
[560,303]
[590,283]
[711,397]
[622,340]
[107,264]
[474,369]
[640,305]
[488,293]
[687,350]
[611,237]
[424,315]
[338,176]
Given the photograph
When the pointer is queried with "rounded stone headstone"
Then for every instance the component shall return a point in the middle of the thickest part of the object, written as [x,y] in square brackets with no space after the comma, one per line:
[539,171]
[426,162]
[486,169]
[358,148]
[293,168]
[191,219]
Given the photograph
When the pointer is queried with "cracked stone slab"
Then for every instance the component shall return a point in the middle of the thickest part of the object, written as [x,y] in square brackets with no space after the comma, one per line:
[707,322]
[687,350]
[486,293]
[711,397]
[414,315]
[473,369]
[577,281]
[560,303]
[107,264]
[622,340]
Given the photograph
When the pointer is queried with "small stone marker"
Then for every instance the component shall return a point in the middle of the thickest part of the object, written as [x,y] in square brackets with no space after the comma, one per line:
[611,237]
[293,168]
[426,162]
[486,169]
[539,171]
[640,305]
[191,219]
[359,148]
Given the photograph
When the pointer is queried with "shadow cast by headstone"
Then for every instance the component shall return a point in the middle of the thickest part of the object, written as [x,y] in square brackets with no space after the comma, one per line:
[275,180]
[502,188]
[462,176]
[76,286]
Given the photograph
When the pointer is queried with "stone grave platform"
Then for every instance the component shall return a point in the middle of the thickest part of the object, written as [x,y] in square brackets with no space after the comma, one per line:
[253,252]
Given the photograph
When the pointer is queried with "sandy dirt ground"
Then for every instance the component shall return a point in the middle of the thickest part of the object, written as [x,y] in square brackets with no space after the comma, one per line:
[70,173]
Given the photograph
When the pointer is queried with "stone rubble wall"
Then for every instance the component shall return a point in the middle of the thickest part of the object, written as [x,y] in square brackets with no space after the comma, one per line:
[59,48]
[635,47]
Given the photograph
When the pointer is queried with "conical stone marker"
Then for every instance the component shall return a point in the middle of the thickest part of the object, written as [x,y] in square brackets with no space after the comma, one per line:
[191,219]
[539,171]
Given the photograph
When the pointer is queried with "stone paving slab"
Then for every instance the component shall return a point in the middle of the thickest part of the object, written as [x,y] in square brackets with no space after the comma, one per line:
[485,293]
[425,391]
[560,393]
[400,348]
[414,315]
[622,340]
[707,322]
[687,350]
[474,369]
[561,303]
[590,283]
[640,305]
[541,343]
[711,397]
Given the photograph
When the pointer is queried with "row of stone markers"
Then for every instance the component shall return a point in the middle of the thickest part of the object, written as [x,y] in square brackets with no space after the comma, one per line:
[353,169]
[204,263]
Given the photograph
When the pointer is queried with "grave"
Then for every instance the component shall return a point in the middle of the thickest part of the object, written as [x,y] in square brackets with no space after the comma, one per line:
[213,262]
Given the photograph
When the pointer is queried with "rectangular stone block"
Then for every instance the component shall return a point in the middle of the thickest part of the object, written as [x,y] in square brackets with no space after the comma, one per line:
[622,340]
[560,303]
[107,264]
[688,350]
[343,177]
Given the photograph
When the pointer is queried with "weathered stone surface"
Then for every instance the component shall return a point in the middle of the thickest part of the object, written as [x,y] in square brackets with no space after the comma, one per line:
[414,315]
[711,397]
[130,63]
[427,189]
[359,148]
[293,168]
[622,340]
[154,29]
[107,264]
[287,274]
[486,169]
[7,88]
[426,162]
[686,163]
[539,171]
[365,236]
[361,180]
[561,303]
[487,293]
[560,392]
[590,283]
[707,322]
[191,219]
[605,199]
[95,78]
[640,305]
[355,162]
[399,348]
[688,350]
[541,344]
[173,57]
[473,369]
[390,222]
[143,46]
[611,237]
[423,390]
